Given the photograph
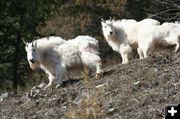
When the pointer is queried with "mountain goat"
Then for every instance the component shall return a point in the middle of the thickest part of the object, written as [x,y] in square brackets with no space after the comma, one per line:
[117,39]
[151,38]
[121,35]
[59,57]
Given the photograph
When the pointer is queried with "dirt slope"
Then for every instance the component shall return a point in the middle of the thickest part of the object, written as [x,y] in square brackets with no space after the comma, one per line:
[138,90]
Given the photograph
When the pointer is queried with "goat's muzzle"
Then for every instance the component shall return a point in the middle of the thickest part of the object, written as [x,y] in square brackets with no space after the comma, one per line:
[111,32]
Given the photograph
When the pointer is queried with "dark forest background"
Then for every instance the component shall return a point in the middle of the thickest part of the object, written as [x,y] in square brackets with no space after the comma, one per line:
[27,19]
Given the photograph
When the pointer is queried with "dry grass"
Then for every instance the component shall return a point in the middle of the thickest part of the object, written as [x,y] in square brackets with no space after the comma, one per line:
[89,108]
[137,90]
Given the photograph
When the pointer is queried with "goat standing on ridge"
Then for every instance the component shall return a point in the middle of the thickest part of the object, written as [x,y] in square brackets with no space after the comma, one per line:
[59,57]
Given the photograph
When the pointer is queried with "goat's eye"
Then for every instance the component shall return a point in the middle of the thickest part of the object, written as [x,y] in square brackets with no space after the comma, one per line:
[34,50]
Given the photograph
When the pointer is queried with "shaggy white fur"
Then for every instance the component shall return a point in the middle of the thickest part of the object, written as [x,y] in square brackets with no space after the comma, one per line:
[158,36]
[132,27]
[121,35]
[149,21]
[125,35]
[57,57]
[117,39]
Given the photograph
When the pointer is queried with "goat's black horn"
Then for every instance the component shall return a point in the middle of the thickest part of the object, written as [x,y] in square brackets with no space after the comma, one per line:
[33,42]
[110,18]
[24,42]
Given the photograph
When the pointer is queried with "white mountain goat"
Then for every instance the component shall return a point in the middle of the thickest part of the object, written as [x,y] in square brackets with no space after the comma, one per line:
[122,35]
[151,38]
[57,58]
[117,39]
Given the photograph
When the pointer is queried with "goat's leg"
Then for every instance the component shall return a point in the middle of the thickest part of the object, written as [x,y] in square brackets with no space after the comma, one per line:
[140,53]
[85,73]
[60,73]
[51,78]
[126,59]
[146,52]
[125,50]
[98,69]
[122,59]
[98,65]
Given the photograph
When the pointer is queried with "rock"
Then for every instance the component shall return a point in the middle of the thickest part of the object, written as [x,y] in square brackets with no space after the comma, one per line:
[101,85]
[3,96]
[136,83]
[177,86]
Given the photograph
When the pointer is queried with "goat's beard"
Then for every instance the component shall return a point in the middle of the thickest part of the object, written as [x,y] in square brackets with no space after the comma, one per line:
[111,37]
[34,66]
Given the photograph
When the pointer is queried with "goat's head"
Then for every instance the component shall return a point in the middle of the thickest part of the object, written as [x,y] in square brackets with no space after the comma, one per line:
[107,27]
[32,54]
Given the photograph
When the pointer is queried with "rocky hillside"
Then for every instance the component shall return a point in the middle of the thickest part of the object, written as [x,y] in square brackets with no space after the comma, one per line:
[137,90]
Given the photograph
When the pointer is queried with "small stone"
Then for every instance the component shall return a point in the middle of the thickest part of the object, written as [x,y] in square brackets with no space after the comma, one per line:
[3,96]
[136,83]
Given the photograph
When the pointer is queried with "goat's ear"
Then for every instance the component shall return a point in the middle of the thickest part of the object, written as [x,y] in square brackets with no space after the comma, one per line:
[34,38]
[35,44]
[111,20]
[102,20]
